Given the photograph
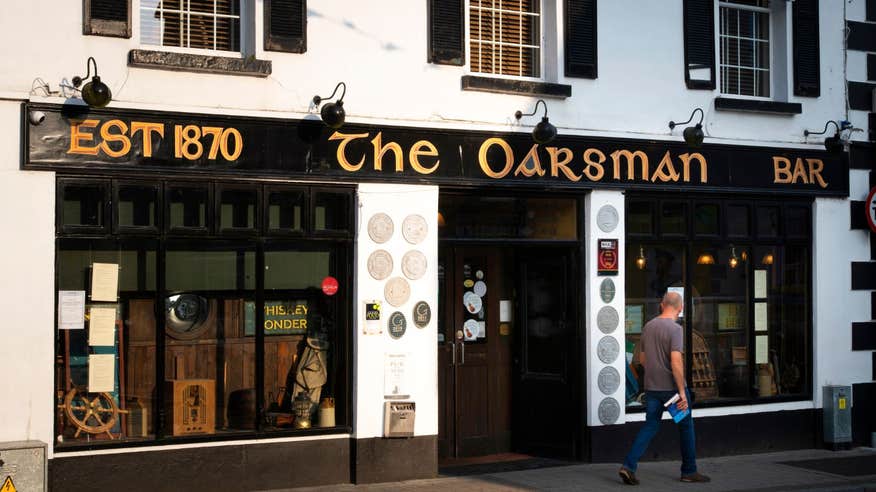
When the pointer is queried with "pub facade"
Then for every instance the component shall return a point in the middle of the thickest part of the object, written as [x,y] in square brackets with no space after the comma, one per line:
[216,269]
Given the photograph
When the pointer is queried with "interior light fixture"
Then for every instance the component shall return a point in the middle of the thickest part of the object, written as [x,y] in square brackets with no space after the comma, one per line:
[95,93]
[767,259]
[544,131]
[831,144]
[706,259]
[441,222]
[640,260]
[734,261]
[693,135]
[333,114]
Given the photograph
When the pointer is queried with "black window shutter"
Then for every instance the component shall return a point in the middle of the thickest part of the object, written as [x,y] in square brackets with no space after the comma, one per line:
[286,25]
[446,32]
[699,43]
[107,18]
[580,38]
[807,66]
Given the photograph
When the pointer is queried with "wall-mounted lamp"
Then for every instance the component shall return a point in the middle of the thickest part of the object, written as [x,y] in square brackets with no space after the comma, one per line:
[543,132]
[734,261]
[95,93]
[706,259]
[640,260]
[831,144]
[693,135]
[333,114]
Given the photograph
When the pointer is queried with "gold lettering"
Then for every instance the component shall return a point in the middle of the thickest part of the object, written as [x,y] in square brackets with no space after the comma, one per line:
[665,170]
[417,151]
[594,169]
[77,137]
[482,157]
[685,161]
[147,129]
[115,137]
[341,154]
[560,163]
[799,172]
[531,156]
[781,170]
[815,168]
[380,150]
[631,163]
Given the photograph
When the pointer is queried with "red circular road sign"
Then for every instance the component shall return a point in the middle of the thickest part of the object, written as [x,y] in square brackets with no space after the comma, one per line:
[330,286]
[870,209]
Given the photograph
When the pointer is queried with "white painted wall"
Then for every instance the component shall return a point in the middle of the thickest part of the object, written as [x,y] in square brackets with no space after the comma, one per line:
[27,340]
[593,234]
[397,201]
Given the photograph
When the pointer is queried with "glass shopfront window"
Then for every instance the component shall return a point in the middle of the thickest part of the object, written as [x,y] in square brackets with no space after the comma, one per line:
[747,294]
[179,355]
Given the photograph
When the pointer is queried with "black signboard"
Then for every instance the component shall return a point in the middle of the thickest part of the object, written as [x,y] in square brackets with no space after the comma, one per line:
[78,139]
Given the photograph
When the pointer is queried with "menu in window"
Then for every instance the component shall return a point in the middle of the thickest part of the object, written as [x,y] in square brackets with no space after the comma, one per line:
[101,373]
[104,282]
[102,326]
[71,309]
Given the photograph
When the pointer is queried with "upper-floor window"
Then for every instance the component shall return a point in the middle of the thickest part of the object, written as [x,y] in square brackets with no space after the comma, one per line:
[745,47]
[213,25]
[504,37]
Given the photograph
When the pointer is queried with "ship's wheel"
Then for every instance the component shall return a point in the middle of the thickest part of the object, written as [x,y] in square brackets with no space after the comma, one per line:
[93,413]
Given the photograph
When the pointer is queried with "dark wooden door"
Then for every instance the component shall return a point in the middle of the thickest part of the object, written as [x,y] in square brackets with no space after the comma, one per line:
[474,369]
[545,362]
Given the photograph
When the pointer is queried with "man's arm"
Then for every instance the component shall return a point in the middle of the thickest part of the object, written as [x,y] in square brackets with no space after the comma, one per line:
[677,362]
[642,358]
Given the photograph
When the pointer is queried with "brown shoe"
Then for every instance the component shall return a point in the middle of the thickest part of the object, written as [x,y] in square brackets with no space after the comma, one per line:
[695,477]
[628,476]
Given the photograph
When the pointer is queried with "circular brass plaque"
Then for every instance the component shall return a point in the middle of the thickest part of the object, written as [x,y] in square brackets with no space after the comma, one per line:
[609,411]
[607,349]
[397,291]
[380,228]
[380,264]
[607,319]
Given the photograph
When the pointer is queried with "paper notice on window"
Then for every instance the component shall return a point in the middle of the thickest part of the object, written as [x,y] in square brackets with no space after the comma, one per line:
[760,284]
[101,373]
[71,309]
[761,322]
[102,326]
[104,282]
[395,384]
[761,349]
[504,311]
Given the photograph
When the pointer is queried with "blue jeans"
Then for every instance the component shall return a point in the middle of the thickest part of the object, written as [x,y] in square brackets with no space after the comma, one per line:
[654,401]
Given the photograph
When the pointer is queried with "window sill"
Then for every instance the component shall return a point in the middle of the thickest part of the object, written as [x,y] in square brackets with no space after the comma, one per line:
[187,62]
[517,87]
[757,106]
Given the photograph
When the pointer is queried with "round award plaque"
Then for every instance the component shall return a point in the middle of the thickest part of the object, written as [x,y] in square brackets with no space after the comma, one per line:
[480,288]
[380,264]
[414,264]
[609,411]
[397,325]
[422,314]
[606,218]
[380,228]
[607,349]
[397,291]
[472,302]
[470,330]
[607,290]
[608,380]
[414,229]
[607,319]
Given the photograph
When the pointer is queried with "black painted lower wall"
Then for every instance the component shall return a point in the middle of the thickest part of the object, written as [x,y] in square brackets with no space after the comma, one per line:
[716,436]
[226,468]
[391,460]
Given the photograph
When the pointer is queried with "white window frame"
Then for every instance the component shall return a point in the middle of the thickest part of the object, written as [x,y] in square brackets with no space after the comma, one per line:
[541,65]
[246,41]
[739,7]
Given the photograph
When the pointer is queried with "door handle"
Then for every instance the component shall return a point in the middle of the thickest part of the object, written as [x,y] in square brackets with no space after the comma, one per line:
[462,349]
[453,344]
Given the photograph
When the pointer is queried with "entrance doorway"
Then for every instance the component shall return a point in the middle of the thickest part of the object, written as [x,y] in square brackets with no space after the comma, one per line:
[508,362]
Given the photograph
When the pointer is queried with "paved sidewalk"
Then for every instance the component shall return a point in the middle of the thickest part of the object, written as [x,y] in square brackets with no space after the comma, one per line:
[763,472]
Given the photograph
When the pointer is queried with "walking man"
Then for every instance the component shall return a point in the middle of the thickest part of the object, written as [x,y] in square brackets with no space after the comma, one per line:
[663,342]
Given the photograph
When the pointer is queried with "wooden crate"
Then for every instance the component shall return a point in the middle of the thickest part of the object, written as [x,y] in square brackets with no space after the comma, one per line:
[191,406]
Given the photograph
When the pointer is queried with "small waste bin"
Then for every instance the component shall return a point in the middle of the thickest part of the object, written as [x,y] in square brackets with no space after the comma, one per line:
[837,417]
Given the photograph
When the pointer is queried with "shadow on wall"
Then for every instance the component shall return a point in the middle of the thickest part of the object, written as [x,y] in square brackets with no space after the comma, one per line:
[386,45]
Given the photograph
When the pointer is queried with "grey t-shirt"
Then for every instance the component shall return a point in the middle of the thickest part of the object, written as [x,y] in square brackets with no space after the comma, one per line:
[660,336]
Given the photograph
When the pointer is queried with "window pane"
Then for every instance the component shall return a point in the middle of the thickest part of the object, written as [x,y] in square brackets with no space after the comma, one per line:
[296,269]
[640,217]
[188,208]
[768,221]
[706,220]
[508,217]
[83,204]
[331,211]
[673,218]
[237,209]
[207,268]
[203,24]
[504,38]
[738,220]
[719,315]
[797,221]
[138,205]
[286,210]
